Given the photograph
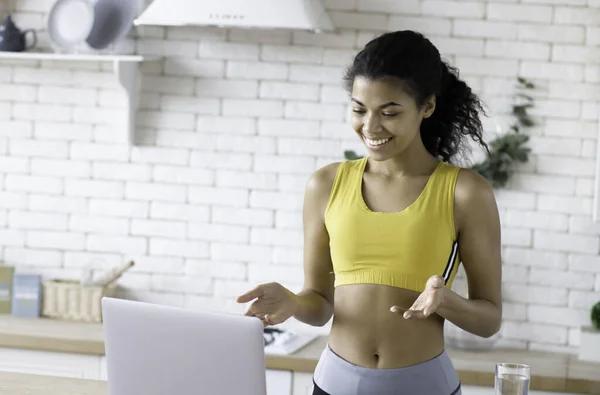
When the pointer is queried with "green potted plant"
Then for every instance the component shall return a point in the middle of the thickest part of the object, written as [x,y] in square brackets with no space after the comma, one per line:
[510,149]
[589,349]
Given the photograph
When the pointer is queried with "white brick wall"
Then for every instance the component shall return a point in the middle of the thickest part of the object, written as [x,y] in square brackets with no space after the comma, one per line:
[234,122]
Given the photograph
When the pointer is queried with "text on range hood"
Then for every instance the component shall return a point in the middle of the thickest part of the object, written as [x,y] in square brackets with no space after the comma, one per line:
[265,14]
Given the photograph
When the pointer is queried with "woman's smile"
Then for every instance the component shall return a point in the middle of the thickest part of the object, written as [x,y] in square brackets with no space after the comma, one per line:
[378,143]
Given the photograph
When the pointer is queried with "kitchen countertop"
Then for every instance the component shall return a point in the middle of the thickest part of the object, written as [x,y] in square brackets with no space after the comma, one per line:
[550,371]
[19,384]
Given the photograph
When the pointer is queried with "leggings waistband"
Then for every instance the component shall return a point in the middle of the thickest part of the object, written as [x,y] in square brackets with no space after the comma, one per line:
[337,376]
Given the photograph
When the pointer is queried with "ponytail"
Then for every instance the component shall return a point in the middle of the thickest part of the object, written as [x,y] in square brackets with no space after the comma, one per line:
[456,116]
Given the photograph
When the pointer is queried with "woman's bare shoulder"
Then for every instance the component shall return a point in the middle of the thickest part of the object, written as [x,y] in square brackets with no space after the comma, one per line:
[474,195]
[472,187]
[318,188]
[321,181]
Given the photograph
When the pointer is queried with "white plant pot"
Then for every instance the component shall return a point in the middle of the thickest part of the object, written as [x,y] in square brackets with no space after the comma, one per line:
[589,349]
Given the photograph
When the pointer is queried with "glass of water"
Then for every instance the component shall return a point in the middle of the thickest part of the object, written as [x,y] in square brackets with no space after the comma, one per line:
[512,379]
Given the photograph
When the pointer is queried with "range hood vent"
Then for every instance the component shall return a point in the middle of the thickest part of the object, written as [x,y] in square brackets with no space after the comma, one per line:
[262,14]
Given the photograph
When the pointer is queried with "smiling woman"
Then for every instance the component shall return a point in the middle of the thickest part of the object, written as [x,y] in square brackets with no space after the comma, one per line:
[384,235]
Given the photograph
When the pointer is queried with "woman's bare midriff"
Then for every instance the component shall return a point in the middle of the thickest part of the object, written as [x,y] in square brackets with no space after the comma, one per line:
[366,333]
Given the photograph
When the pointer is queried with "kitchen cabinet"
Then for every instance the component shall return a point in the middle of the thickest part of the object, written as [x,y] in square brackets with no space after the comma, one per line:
[302,384]
[50,363]
[102,373]
[279,382]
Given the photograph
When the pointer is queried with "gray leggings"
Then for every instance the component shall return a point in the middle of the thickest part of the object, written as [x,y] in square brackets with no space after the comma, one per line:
[336,376]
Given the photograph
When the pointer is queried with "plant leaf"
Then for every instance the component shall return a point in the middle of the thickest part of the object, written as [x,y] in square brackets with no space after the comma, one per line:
[351,155]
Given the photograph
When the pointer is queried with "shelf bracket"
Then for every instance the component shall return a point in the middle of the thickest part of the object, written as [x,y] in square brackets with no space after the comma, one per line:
[126,69]
[128,75]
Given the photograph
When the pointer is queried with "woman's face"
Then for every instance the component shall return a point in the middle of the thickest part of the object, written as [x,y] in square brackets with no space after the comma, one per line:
[386,117]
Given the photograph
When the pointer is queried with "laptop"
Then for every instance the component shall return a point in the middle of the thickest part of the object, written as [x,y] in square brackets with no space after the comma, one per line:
[153,349]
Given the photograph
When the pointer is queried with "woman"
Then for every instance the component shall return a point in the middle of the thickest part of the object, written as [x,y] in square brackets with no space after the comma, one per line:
[388,232]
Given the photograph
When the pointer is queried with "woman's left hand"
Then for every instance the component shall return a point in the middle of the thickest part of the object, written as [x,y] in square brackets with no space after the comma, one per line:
[428,301]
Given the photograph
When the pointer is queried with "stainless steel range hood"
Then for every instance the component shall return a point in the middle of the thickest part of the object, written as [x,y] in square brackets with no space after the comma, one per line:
[264,14]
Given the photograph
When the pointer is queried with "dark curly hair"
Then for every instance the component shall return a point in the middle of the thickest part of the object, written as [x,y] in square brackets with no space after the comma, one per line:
[411,58]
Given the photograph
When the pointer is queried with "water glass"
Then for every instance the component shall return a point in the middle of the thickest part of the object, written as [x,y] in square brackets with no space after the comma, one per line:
[512,379]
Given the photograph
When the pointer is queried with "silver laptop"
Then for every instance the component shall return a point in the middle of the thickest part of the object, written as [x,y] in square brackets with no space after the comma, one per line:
[159,350]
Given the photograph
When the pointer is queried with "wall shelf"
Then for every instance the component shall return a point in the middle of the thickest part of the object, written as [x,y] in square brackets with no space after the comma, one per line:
[125,68]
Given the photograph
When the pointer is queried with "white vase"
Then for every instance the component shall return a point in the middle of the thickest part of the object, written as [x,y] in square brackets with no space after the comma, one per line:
[589,348]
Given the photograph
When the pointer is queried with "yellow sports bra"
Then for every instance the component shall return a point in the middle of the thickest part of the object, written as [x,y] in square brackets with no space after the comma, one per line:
[402,249]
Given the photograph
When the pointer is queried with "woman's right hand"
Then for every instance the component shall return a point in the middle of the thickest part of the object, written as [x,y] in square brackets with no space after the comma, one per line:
[274,303]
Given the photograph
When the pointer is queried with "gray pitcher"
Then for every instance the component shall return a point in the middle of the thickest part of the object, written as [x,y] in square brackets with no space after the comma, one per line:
[14,40]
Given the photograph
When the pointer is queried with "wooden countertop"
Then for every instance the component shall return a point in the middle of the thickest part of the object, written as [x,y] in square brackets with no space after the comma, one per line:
[550,371]
[19,384]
